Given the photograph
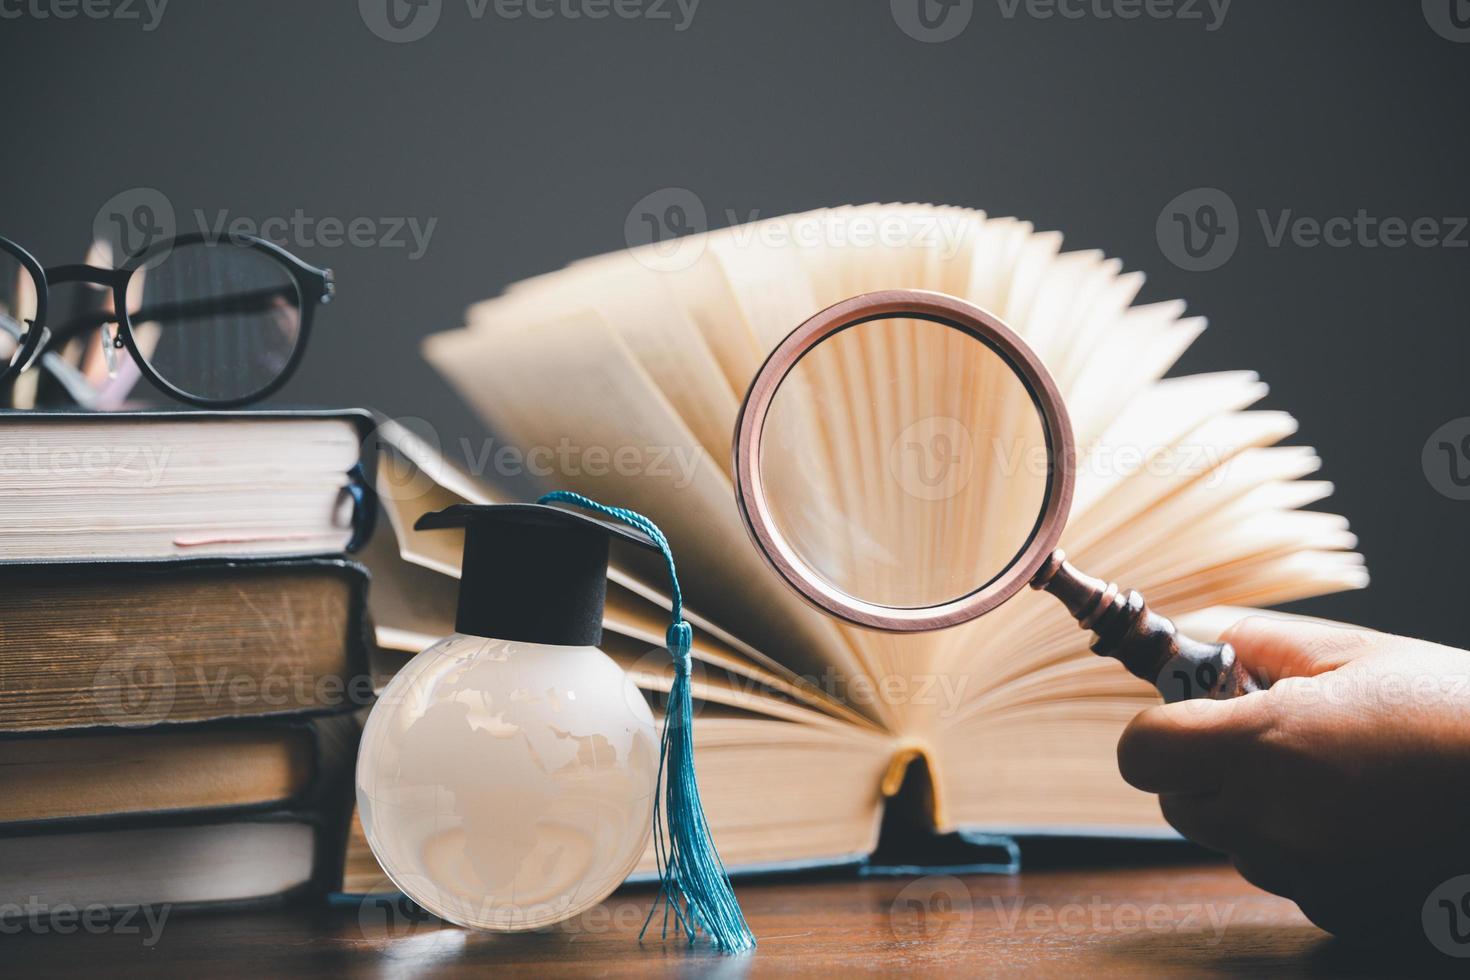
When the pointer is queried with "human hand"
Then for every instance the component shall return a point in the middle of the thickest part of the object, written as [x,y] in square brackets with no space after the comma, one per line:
[1344,787]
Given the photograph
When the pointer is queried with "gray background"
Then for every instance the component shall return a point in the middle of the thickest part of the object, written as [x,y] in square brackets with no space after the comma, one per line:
[530,140]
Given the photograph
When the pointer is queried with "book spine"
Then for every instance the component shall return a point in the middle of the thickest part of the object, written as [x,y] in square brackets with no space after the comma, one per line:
[327,790]
[354,677]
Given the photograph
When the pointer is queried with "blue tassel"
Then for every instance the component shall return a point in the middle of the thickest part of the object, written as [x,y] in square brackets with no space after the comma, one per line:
[694,888]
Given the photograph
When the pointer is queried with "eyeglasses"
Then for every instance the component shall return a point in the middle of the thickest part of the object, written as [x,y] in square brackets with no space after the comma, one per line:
[215,322]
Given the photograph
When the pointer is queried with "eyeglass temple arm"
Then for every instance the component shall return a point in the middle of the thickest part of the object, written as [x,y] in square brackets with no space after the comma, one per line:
[75,383]
[17,333]
[325,278]
[70,378]
[252,302]
[1148,644]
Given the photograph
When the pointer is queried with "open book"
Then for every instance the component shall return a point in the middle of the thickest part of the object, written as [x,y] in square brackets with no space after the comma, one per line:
[604,370]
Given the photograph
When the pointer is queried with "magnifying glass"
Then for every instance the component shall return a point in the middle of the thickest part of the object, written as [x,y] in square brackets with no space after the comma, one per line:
[905,462]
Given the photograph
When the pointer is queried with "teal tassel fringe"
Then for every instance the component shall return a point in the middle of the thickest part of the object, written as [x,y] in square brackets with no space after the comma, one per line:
[694,889]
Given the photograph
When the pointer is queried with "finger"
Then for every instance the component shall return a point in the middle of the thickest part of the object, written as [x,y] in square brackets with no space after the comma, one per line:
[1273,647]
[1200,817]
[1222,822]
[1269,874]
[1191,746]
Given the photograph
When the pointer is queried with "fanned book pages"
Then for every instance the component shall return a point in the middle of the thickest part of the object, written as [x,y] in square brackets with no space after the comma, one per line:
[626,372]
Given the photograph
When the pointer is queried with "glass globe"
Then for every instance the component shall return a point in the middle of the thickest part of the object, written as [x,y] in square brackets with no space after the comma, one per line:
[505,785]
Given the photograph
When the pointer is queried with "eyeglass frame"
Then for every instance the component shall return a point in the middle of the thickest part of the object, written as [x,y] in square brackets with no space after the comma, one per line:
[315,287]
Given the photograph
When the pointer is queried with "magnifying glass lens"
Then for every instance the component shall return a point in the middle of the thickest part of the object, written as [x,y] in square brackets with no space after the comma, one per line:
[904,463]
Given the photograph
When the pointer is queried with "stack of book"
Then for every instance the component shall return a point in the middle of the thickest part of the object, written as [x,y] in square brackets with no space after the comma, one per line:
[183,653]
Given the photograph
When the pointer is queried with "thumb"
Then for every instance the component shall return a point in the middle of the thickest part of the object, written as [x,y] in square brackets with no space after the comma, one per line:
[1191,746]
[1273,647]
[1194,746]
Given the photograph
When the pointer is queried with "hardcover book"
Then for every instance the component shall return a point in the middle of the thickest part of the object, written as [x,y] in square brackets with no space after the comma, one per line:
[82,486]
[213,814]
[136,644]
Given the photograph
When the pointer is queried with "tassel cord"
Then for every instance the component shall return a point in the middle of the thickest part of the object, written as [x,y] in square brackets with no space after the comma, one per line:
[694,888]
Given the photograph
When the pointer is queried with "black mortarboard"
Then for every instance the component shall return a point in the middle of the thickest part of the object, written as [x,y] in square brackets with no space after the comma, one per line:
[532,572]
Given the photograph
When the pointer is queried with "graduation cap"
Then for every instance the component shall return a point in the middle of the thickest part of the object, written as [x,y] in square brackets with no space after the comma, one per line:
[532,572]
[538,573]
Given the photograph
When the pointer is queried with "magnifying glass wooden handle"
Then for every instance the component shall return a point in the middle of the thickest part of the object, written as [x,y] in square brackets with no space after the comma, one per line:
[1146,643]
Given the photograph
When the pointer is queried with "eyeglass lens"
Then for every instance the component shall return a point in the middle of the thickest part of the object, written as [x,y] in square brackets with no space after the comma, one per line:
[217,321]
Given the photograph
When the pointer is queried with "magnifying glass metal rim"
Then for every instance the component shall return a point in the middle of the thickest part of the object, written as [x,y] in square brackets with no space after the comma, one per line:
[978,324]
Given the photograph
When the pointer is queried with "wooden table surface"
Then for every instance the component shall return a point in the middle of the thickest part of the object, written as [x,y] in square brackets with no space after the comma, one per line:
[1194,920]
